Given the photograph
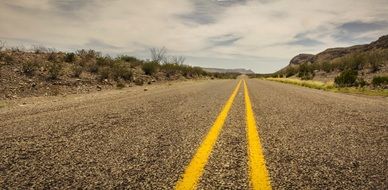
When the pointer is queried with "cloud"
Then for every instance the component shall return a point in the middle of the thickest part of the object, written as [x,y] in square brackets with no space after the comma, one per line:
[224,40]
[303,40]
[257,34]
[356,31]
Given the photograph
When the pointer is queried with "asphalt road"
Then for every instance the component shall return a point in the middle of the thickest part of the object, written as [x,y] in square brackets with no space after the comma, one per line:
[136,139]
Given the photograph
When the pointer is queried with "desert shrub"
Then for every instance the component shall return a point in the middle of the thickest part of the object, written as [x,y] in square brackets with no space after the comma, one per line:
[104,61]
[6,57]
[171,69]
[69,57]
[375,60]
[104,73]
[54,70]
[346,78]
[150,68]
[39,49]
[88,54]
[326,66]
[29,67]
[121,70]
[92,67]
[53,57]
[306,71]
[127,58]
[379,81]
[290,71]
[76,70]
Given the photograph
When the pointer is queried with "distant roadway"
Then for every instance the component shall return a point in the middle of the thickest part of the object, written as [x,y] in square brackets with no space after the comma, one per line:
[214,134]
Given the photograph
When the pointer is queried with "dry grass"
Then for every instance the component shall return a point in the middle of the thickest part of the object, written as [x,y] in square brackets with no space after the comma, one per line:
[330,87]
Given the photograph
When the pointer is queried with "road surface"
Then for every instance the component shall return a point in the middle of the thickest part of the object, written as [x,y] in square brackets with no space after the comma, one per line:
[219,134]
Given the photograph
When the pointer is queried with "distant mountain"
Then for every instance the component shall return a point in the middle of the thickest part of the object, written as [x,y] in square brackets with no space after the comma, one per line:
[218,70]
[333,53]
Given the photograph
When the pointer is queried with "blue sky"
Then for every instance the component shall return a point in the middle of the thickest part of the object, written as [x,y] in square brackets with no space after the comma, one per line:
[262,35]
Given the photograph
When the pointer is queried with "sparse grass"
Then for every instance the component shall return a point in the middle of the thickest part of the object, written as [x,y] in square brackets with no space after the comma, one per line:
[331,87]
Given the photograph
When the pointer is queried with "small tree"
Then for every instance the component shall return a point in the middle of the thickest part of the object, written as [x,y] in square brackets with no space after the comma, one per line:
[158,55]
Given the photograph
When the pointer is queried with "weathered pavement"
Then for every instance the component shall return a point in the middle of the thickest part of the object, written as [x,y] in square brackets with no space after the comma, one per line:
[135,139]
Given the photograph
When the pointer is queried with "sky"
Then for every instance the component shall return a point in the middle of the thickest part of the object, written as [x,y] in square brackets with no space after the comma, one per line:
[262,35]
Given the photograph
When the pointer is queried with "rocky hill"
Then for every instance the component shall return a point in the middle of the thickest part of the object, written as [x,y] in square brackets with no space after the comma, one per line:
[333,53]
[369,60]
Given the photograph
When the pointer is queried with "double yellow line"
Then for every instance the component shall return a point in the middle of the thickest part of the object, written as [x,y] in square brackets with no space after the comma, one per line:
[259,177]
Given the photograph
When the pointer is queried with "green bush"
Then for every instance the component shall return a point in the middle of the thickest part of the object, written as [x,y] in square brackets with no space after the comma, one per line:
[346,78]
[380,80]
[29,67]
[54,70]
[150,68]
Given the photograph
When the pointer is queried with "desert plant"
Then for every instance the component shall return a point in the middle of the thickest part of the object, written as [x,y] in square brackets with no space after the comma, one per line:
[290,71]
[150,68]
[326,66]
[121,70]
[158,54]
[127,58]
[104,73]
[53,57]
[76,70]
[379,81]
[306,71]
[30,66]
[69,57]
[39,49]
[6,57]
[346,78]
[54,70]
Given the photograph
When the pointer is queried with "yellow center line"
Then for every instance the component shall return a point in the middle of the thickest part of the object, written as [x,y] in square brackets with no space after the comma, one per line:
[195,168]
[258,173]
